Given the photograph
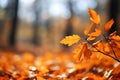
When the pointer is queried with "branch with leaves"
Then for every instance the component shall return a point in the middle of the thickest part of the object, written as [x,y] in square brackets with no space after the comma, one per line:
[108,45]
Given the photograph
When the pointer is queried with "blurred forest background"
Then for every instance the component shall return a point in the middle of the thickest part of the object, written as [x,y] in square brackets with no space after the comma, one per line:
[35,25]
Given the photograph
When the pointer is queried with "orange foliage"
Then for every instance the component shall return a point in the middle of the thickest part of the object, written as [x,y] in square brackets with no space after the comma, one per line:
[100,46]
[82,50]
[94,17]
[108,25]
[95,34]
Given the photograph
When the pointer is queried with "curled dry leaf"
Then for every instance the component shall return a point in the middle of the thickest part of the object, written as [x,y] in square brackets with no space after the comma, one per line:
[94,16]
[87,53]
[95,34]
[70,40]
[87,30]
[108,25]
[82,50]
[78,51]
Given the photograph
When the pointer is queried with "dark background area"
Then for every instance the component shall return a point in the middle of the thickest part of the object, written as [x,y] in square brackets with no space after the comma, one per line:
[30,24]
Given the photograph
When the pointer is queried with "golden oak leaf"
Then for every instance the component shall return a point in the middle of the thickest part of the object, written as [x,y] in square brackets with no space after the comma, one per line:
[70,40]
[95,34]
[87,30]
[114,36]
[94,16]
[108,25]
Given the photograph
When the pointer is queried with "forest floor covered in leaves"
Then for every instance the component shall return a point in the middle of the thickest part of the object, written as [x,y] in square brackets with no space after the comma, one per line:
[56,66]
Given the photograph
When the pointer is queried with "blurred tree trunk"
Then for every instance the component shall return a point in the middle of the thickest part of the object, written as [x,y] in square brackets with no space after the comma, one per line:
[69,26]
[36,37]
[14,18]
[36,27]
[114,12]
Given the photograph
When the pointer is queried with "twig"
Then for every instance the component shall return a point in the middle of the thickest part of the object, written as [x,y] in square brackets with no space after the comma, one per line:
[103,52]
[110,46]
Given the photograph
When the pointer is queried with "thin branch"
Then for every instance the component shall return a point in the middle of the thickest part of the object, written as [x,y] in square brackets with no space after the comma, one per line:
[108,55]
[103,52]
[110,46]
